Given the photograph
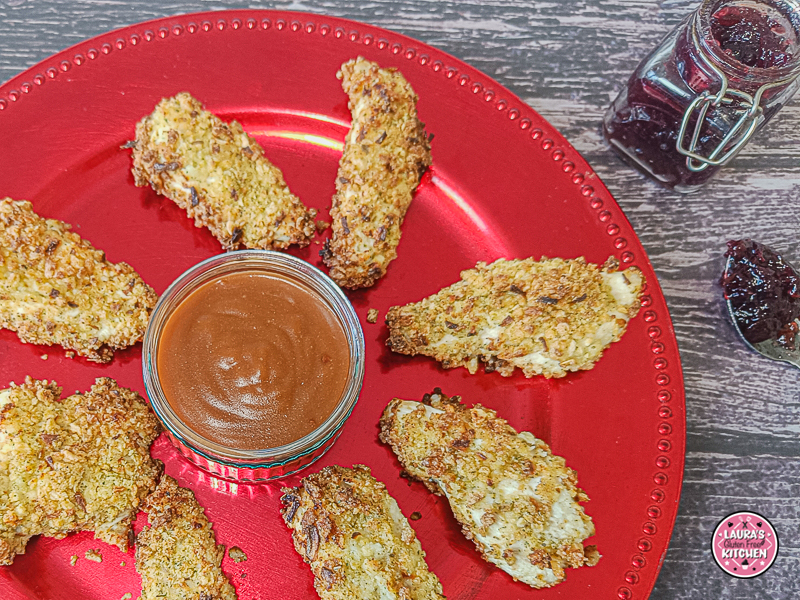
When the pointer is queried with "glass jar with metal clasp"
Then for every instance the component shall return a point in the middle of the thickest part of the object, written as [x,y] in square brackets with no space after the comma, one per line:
[711,84]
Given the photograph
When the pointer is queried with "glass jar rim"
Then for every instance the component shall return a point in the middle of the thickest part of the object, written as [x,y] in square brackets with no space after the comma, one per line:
[303,273]
[732,67]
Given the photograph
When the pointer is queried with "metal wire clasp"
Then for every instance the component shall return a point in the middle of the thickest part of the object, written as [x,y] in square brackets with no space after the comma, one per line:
[740,133]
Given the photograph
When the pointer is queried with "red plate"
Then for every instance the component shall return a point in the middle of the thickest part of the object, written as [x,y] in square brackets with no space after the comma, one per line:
[504,183]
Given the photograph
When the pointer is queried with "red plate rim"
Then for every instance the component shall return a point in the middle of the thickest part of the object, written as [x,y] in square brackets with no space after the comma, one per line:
[494,97]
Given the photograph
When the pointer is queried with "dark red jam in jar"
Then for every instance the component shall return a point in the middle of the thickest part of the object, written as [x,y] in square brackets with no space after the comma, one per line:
[743,55]
[752,37]
[764,292]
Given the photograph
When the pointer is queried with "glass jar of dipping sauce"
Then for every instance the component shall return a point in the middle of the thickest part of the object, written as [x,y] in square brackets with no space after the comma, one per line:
[714,81]
[253,361]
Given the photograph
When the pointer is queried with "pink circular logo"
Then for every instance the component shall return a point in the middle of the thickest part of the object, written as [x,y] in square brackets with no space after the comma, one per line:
[745,544]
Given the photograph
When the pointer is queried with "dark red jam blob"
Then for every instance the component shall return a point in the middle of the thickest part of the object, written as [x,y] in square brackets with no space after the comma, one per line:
[764,291]
[751,37]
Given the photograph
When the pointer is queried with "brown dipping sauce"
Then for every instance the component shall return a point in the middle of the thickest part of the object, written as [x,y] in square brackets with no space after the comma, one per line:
[252,360]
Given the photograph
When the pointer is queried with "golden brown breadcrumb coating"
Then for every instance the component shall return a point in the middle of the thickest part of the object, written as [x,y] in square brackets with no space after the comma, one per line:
[56,288]
[545,317]
[177,554]
[359,545]
[219,175]
[514,499]
[385,154]
[81,463]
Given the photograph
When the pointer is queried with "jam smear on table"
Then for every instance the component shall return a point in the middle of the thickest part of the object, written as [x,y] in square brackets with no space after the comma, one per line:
[643,123]
[764,292]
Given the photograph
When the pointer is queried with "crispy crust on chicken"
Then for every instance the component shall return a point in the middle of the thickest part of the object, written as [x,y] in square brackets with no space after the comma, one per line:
[514,499]
[359,545]
[219,175]
[56,288]
[545,317]
[385,154]
[74,464]
[177,554]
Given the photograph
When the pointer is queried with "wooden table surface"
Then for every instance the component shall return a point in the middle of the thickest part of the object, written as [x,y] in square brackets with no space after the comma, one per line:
[568,59]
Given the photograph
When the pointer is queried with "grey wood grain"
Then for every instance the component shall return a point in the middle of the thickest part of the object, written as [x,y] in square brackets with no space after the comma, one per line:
[568,59]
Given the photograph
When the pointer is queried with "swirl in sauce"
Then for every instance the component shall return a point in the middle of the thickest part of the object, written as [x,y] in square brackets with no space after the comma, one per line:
[252,360]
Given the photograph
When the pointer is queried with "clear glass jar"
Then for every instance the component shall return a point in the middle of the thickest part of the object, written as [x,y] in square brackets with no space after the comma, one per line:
[714,81]
[267,463]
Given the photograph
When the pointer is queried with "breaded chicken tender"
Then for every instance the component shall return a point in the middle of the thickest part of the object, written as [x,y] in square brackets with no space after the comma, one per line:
[81,463]
[56,288]
[177,554]
[514,499]
[545,317]
[385,154]
[359,545]
[219,175]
